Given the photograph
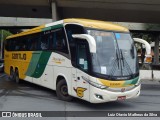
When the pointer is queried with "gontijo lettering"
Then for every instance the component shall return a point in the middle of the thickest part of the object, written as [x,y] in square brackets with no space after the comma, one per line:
[19,56]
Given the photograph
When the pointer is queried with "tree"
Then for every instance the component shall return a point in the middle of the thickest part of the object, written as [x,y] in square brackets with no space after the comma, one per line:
[3,35]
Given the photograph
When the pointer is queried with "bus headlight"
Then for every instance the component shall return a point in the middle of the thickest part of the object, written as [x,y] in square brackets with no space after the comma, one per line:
[94,84]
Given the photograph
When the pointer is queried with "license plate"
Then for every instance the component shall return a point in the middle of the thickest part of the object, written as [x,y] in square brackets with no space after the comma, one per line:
[121,98]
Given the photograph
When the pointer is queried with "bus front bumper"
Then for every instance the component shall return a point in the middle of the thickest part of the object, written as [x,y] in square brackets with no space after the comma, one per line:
[103,95]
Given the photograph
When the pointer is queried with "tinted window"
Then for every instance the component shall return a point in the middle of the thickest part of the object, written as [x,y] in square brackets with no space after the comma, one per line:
[70,30]
[54,40]
[74,29]
[82,59]
[45,42]
[33,42]
[61,44]
[24,43]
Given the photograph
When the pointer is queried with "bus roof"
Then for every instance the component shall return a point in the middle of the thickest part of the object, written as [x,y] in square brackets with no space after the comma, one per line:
[95,24]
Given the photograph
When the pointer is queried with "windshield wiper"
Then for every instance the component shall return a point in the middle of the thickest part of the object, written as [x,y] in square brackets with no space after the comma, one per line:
[115,64]
[132,51]
[125,62]
[117,58]
[122,58]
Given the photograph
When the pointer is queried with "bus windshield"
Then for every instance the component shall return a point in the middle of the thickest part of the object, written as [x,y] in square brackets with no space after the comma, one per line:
[115,55]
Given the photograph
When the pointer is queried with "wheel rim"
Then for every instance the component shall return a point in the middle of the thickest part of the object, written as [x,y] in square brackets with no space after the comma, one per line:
[64,90]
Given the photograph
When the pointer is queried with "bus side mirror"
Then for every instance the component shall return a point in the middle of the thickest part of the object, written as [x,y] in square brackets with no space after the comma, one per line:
[148,59]
[91,41]
[148,56]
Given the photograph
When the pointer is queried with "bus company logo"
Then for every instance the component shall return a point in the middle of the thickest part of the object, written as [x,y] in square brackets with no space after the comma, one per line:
[80,91]
[19,56]
[58,60]
[21,114]
[6,114]
[123,89]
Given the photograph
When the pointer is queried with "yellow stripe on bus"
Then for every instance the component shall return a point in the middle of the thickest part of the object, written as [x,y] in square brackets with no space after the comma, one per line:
[31,31]
[97,24]
[113,84]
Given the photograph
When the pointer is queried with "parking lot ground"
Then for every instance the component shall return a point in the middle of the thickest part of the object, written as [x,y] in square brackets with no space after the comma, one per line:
[30,97]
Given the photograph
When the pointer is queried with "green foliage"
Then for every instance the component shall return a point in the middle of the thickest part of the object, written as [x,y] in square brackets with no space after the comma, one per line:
[148,37]
[3,37]
[5,34]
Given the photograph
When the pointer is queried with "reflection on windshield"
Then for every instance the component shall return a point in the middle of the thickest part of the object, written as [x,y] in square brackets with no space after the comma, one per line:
[114,54]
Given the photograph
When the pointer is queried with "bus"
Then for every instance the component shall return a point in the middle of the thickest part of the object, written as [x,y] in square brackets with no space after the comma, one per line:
[93,60]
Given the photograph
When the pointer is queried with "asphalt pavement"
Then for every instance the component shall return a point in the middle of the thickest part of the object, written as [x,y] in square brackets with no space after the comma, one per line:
[30,97]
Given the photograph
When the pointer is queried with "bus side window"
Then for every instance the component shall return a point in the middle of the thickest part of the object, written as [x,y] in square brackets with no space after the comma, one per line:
[34,42]
[15,45]
[32,45]
[22,44]
[82,59]
[45,42]
[74,29]
[6,44]
[70,30]
[59,41]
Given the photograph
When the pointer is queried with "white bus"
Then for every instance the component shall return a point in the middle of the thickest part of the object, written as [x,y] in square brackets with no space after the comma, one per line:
[92,60]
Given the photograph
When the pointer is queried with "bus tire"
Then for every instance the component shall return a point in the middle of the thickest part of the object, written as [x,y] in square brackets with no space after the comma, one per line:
[17,80]
[12,74]
[62,91]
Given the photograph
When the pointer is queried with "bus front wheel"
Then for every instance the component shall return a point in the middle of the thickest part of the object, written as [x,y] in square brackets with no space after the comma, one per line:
[62,91]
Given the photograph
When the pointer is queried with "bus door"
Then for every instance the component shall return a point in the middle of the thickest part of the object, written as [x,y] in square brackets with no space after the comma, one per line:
[82,87]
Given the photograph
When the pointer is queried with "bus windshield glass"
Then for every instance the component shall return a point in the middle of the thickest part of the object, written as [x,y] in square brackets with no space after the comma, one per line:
[115,55]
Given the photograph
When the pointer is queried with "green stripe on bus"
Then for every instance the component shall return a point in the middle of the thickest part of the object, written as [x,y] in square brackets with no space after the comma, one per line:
[52,27]
[38,64]
[135,80]
[47,28]
[41,64]
[131,82]
[33,63]
[57,26]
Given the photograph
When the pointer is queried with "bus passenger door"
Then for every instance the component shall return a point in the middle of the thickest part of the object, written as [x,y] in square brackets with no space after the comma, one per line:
[82,87]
